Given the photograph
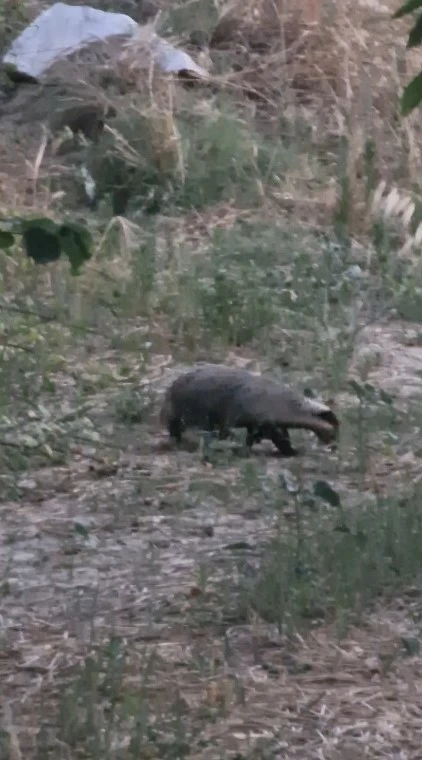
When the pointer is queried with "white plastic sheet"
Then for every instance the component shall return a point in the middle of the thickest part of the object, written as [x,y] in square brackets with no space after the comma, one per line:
[62,30]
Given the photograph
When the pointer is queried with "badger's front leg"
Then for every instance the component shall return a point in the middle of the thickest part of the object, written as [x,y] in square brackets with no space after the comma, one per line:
[281,439]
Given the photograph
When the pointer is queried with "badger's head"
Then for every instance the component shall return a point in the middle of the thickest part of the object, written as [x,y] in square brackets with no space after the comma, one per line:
[323,420]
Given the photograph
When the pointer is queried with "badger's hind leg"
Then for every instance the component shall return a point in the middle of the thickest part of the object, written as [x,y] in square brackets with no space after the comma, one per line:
[253,435]
[281,439]
[223,432]
[216,422]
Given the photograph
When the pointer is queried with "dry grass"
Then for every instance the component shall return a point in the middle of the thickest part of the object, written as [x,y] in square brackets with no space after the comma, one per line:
[336,68]
[341,76]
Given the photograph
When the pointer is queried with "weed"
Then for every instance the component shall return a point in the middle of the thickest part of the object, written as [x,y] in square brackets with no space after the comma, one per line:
[336,569]
[132,406]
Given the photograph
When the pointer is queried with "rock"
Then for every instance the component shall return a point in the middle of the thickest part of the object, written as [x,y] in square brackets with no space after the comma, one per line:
[354,272]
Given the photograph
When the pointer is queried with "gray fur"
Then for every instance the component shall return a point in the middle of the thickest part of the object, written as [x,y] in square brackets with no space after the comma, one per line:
[212,396]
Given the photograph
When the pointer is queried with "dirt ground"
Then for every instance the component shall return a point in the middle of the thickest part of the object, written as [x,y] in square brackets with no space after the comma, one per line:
[138,547]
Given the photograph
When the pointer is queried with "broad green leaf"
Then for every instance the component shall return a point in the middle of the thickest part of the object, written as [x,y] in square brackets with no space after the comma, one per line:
[41,240]
[238,546]
[409,7]
[411,646]
[76,244]
[341,528]
[412,95]
[80,529]
[6,240]
[415,34]
[369,389]
[385,397]
[323,490]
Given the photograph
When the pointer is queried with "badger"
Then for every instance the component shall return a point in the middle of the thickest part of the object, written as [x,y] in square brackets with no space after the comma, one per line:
[215,397]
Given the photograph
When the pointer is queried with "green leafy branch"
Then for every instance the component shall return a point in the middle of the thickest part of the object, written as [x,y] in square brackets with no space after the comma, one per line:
[412,94]
[45,241]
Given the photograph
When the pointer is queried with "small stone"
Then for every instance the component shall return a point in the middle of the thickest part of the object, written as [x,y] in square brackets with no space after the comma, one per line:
[354,272]
[373,664]
[28,484]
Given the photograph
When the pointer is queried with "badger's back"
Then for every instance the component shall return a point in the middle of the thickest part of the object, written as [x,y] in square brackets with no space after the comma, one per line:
[265,402]
[207,389]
